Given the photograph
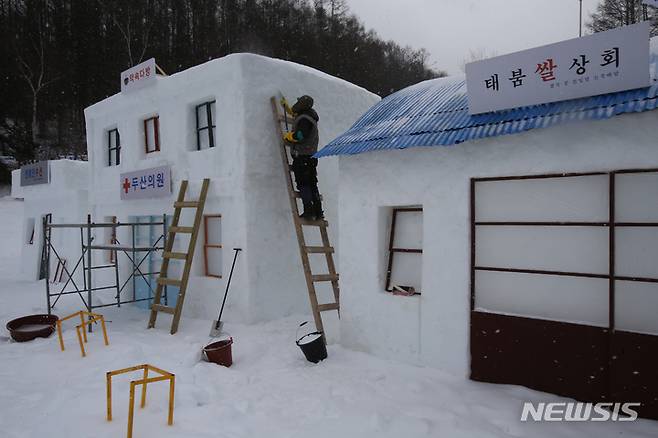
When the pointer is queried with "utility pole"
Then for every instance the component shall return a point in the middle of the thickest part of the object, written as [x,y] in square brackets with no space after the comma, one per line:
[580,19]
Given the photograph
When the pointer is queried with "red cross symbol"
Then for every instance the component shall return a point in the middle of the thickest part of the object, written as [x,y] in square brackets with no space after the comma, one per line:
[126,185]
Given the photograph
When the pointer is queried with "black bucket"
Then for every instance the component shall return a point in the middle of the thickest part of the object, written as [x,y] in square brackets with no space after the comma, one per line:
[313,346]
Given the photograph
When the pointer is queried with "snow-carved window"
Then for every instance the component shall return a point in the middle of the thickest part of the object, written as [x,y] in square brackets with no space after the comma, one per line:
[404,266]
[152,134]
[113,147]
[30,229]
[205,125]
[212,245]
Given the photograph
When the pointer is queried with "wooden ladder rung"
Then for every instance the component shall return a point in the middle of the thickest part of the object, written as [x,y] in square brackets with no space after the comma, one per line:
[324,277]
[319,249]
[329,306]
[186,204]
[188,230]
[165,309]
[169,282]
[175,255]
[318,223]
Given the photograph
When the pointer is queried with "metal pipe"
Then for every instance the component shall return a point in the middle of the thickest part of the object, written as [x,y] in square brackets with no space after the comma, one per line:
[89,302]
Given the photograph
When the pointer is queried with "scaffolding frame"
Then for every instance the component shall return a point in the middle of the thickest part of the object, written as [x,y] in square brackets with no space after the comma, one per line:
[136,255]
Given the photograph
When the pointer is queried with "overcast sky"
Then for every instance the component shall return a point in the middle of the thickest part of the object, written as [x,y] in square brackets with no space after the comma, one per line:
[448,29]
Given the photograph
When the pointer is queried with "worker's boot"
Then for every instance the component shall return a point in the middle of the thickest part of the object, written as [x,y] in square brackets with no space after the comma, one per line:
[307,201]
[317,205]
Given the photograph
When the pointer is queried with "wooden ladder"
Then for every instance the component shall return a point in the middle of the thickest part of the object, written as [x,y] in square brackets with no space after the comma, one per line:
[305,250]
[174,229]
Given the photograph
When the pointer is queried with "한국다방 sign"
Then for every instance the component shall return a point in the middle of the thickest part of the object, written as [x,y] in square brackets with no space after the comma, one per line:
[138,76]
[35,173]
[606,62]
[146,183]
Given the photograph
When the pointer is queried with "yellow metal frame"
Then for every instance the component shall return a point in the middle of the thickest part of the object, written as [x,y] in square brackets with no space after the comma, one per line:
[164,375]
[80,329]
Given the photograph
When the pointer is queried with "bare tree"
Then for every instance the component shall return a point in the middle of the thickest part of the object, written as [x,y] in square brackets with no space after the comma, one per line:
[32,68]
[611,14]
[477,55]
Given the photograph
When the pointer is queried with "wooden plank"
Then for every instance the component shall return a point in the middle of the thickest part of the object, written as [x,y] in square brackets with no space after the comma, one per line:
[161,308]
[318,223]
[324,277]
[175,255]
[186,204]
[319,249]
[327,307]
[169,281]
[177,229]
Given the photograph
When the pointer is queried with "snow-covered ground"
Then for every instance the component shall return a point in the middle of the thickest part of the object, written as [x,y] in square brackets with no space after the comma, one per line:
[270,390]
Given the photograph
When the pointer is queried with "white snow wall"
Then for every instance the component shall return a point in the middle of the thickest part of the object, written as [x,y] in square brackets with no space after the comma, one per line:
[247,177]
[65,197]
[433,329]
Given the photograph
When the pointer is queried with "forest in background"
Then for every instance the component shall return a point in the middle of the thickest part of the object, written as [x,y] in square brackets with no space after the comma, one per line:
[60,56]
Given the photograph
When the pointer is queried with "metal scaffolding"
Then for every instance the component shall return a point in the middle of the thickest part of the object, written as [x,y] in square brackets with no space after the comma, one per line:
[135,254]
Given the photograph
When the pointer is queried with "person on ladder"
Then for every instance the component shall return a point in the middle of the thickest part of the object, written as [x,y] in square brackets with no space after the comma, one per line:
[304,139]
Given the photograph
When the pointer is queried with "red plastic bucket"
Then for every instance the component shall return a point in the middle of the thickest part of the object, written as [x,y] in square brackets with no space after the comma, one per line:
[219,352]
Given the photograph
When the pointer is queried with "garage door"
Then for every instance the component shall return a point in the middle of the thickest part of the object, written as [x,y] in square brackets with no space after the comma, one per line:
[564,284]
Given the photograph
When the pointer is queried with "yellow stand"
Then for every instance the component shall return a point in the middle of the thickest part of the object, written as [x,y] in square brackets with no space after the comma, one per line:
[164,375]
[80,329]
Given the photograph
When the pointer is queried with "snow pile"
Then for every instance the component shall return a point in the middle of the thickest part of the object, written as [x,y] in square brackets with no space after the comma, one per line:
[270,390]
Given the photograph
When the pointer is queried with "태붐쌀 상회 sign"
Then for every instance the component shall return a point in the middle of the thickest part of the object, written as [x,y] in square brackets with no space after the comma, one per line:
[146,183]
[35,173]
[138,76]
[606,62]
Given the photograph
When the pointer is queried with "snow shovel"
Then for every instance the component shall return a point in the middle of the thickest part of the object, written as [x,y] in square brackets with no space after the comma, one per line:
[216,329]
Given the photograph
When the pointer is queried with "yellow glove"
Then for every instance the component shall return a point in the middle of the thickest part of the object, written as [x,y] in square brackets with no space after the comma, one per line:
[285,105]
[288,136]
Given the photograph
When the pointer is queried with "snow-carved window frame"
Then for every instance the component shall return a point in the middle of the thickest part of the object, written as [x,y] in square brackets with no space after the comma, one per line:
[209,108]
[209,246]
[152,126]
[392,250]
[113,147]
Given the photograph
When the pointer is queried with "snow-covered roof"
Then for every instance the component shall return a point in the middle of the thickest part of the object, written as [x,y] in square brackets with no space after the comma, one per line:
[435,113]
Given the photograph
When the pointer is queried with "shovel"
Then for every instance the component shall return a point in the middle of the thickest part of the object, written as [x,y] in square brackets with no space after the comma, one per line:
[216,328]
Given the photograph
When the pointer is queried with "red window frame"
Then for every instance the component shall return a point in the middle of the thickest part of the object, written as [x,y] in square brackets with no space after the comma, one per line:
[156,134]
[209,246]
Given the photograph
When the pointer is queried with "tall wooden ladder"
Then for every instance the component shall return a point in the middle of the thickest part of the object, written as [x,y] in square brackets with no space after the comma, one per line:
[282,118]
[163,279]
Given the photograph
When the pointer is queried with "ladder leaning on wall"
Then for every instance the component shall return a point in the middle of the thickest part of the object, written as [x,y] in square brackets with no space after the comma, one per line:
[304,250]
[168,254]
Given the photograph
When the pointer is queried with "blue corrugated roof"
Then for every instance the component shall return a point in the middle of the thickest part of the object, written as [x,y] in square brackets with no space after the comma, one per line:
[435,113]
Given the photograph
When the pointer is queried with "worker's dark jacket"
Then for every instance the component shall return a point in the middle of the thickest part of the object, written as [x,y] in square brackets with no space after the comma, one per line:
[305,130]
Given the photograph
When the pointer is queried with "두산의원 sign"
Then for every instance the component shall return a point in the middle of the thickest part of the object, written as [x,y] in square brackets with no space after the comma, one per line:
[146,183]
[36,173]
[138,76]
[606,62]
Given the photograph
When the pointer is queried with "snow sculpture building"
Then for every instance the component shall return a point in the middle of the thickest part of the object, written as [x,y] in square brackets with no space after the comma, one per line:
[215,121]
[61,193]
[532,256]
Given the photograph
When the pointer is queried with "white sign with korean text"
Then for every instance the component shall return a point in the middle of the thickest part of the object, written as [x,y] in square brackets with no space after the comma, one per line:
[138,76]
[146,183]
[606,62]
